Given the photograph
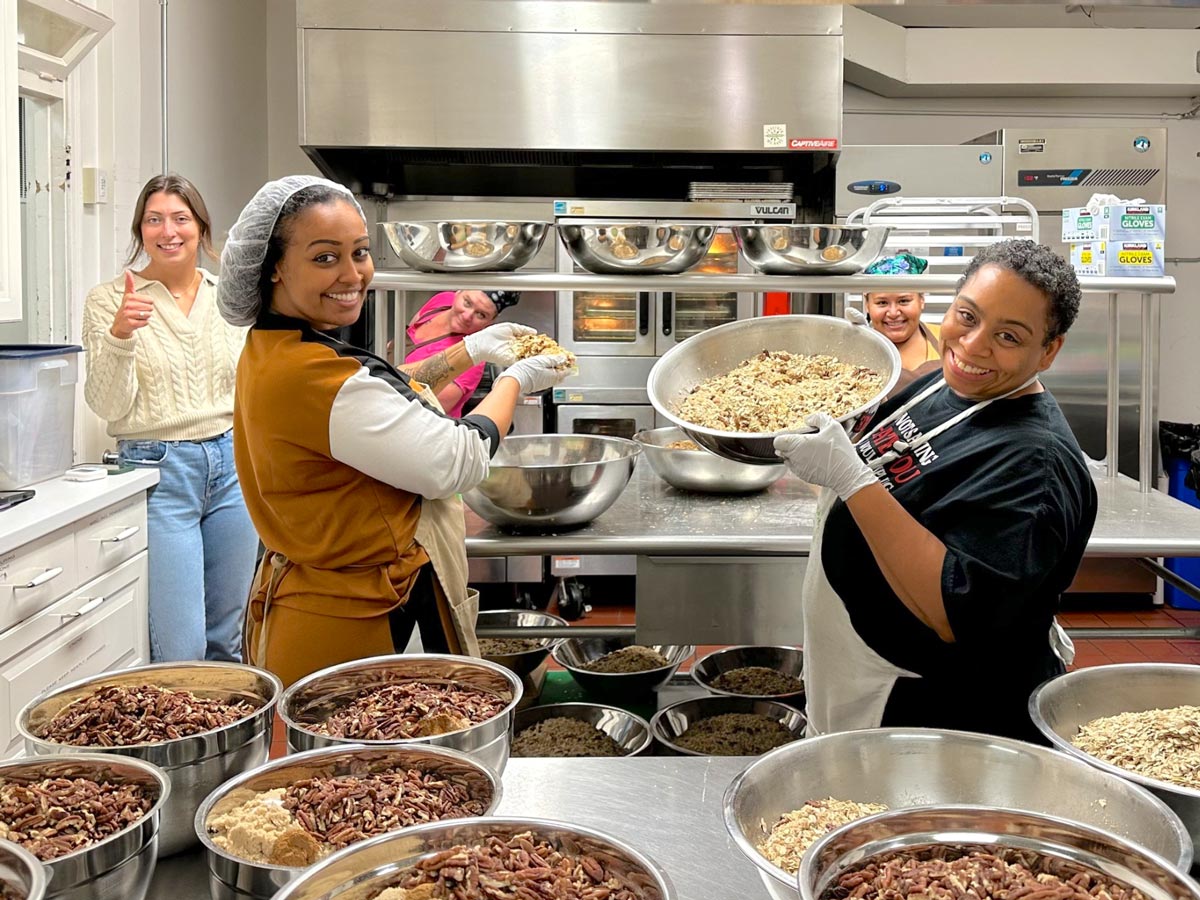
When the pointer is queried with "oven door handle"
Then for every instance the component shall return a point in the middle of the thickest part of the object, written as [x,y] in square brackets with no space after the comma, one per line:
[643,312]
[668,310]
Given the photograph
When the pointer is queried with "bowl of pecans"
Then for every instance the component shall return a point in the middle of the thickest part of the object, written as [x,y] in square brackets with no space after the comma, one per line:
[93,820]
[497,857]
[949,852]
[785,801]
[442,700]
[202,722]
[1139,721]
[262,829]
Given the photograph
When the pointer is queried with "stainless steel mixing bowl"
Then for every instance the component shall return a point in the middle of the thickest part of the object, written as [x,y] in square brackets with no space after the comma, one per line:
[717,351]
[363,870]
[670,722]
[314,699]
[463,246]
[22,872]
[231,877]
[1061,705]
[195,764]
[788,660]
[120,866]
[1046,844]
[700,470]
[637,248]
[574,653]
[550,481]
[527,660]
[811,249]
[631,732]
[901,767]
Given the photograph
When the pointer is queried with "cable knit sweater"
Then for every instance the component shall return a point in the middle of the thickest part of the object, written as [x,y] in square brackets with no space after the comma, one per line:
[173,379]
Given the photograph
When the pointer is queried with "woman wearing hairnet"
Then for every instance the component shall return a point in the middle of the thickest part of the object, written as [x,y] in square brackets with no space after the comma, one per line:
[348,466]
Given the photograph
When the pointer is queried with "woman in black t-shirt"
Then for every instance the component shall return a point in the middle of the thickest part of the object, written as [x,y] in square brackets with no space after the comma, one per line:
[948,533]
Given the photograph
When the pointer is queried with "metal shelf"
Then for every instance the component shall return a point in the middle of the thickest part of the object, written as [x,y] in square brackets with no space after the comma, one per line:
[799,284]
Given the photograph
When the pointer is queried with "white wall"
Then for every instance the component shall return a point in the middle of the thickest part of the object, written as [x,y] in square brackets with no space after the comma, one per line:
[871,119]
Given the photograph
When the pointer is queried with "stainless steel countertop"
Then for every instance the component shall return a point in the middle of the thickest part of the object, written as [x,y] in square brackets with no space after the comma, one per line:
[667,807]
[651,518]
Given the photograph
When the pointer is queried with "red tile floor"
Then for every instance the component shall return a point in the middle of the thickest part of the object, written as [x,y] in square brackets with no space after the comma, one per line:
[1090,652]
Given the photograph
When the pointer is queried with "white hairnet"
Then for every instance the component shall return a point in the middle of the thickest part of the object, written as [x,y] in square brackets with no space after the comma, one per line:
[238,294]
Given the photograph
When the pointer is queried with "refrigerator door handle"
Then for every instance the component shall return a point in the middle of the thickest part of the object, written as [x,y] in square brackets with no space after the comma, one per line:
[643,312]
[668,308]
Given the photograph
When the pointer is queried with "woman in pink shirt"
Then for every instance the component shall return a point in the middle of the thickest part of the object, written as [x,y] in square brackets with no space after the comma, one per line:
[444,321]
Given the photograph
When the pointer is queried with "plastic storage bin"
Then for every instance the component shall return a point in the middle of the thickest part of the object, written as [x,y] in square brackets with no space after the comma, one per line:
[1185,567]
[37,411]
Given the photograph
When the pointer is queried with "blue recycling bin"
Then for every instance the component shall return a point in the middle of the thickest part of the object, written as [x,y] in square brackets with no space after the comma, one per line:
[1185,567]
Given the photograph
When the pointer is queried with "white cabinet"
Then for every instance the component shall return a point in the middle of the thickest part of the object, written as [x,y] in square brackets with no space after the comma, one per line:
[10,172]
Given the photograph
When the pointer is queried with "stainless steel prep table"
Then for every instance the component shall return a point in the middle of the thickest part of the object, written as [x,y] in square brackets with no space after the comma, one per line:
[667,807]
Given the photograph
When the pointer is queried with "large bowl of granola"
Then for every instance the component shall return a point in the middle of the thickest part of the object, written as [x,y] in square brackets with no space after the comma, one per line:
[732,389]
[201,722]
[786,800]
[437,699]
[492,857]
[262,829]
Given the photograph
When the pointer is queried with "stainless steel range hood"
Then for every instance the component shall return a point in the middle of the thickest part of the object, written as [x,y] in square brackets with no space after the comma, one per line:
[496,97]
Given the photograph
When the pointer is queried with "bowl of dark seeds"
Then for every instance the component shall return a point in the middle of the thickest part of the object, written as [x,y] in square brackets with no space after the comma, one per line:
[760,672]
[944,852]
[480,859]
[579,729]
[262,829]
[725,726]
[202,722]
[438,699]
[619,668]
[524,656]
[92,820]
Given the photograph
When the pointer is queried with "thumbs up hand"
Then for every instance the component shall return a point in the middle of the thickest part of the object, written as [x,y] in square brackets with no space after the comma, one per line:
[134,312]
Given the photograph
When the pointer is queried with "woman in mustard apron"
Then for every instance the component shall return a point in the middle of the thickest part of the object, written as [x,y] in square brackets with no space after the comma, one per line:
[349,467]
[945,537]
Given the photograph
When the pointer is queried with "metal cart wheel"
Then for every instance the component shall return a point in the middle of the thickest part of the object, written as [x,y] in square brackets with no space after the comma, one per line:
[571,602]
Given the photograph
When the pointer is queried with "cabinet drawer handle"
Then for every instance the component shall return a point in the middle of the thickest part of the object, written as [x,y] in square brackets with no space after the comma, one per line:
[124,535]
[83,610]
[39,580]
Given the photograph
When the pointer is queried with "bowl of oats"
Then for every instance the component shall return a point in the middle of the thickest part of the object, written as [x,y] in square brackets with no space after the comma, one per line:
[1138,721]
[791,797]
[732,389]
[484,245]
[685,465]
[618,668]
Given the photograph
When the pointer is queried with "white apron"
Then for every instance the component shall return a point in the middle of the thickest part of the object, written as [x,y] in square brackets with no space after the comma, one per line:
[846,683]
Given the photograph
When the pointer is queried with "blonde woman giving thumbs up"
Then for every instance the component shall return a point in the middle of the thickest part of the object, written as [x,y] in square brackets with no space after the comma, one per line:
[160,371]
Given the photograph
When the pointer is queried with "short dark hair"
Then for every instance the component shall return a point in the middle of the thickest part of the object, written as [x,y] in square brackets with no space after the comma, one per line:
[185,191]
[313,195]
[1041,267]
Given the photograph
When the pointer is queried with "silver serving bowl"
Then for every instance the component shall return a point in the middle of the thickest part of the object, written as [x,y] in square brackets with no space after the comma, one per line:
[21,871]
[670,723]
[717,351]
[120,866]
[811,249]
[233,878]
[1061,705]
[527,660]
[574,653]
[365,869]
[700,470]
[195,764]
[788,660]
[1044,843]
[631,732]
[902,767]
[637,248]
[313,699]
[462,246]
[552,481]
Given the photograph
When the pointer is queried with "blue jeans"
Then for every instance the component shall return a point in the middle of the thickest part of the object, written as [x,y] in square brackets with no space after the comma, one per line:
[202,548]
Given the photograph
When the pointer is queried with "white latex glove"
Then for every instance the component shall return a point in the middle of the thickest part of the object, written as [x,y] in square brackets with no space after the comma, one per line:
[494,343]
[826,458]
[855,316]
[536,373]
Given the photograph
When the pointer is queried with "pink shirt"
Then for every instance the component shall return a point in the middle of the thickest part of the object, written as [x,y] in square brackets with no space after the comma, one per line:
[468,380]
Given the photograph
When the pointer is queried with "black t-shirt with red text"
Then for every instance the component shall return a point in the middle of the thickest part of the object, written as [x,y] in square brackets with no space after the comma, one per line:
[1009,494]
